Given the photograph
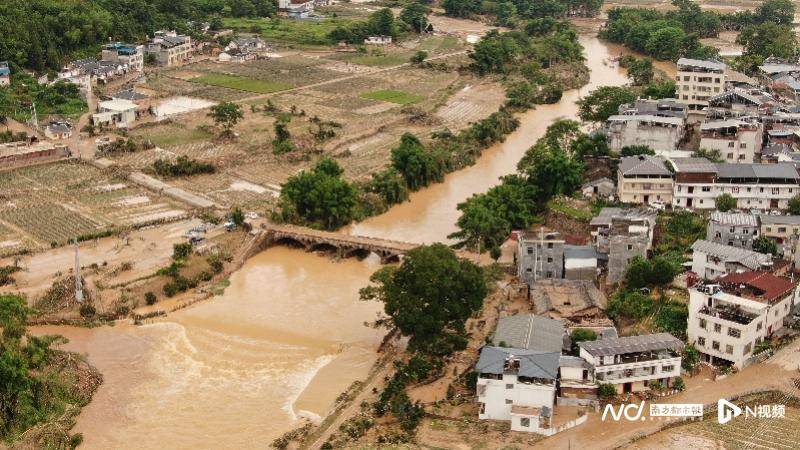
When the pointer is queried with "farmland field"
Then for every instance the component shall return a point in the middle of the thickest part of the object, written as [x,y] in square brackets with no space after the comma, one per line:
[55,203]
[242,83]
[388,95]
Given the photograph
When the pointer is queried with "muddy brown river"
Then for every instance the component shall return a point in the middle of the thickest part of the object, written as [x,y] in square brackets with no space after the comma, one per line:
[287,336]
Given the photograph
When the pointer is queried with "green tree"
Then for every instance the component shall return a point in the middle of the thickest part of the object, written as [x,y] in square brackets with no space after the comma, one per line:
[181,251]
[691,357]
[763,244]
[226,115]
[237,216]
[581,335]
[794,205]
[419,57]
[712,155]
[725,202]
[780,12]
[389,184]
[461,8]
[641,71]
[604,102]
[768,39]
[666,43]
[660,89]
[415,15]
[429,297]
[381,22]
[319,198]
[635,150]
[283,138]
[417,165]
[551,170]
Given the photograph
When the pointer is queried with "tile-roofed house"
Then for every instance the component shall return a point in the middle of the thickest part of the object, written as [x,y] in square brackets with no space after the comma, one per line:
[630,363]
[644,179]
[734,229]
[632,344]
[705,64]
[737,141]
[581,262]
[532,363]
[692,165]
[758,285]
[530,332]
[711,260]
[129,94]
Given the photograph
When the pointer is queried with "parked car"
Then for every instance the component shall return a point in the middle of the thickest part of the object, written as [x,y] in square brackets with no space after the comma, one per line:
[659,206]
[229,226]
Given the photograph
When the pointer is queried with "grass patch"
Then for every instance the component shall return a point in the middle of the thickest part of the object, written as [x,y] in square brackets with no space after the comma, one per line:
[219,288]
[440,44]
[566,207]
[399,97]
[241,83]
[169,136]
[388,60]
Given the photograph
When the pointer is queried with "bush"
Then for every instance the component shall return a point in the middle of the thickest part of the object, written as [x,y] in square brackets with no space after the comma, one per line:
[679,384]
[150,298]
[725,202]
[87,310]
[181,251]
[607,390]
[182,166]
[581,335]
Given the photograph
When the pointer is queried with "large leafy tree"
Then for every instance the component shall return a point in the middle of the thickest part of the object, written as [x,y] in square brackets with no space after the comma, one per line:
[415,15]
[768,39]
[429,297]
[780,12]
[320,198]
[226,115]
[604,102]
[418,166]
[551,170]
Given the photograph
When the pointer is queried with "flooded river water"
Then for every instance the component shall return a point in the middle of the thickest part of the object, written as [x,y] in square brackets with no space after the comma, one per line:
[287,336]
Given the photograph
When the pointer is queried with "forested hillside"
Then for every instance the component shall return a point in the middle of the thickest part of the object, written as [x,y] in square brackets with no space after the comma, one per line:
[42,34]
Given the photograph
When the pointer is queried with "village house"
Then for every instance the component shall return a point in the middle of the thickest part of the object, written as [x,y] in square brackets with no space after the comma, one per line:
[5,74]
[531,332]
[581,262]
[731,317]
[169,48]
[658,124]
[698,182]
[121,113]
[699,80]
[378,40]
[297,9]
[711,260]
[58,130]
[90,71]
[603,188]
[644,179]
[129,55]
[243,49]
[785,231]
[575,303]
[631,363]
[737,141]
[540,255]
[740,102]
[622,234]
[733,229]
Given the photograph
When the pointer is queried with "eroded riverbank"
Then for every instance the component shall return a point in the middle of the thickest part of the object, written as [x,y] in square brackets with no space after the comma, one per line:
[288,335]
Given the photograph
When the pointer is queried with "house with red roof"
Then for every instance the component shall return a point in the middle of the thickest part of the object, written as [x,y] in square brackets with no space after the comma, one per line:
[730,317]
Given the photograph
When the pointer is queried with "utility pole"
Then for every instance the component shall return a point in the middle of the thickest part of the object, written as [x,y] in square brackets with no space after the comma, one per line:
[78,284]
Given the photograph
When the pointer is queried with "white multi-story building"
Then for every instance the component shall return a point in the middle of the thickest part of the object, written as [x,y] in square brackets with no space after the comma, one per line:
[644,179]
[736,141]
[728,319]
[517,385]
[540,254]
[699,80]
[698,183]
[631,363]
[711,260]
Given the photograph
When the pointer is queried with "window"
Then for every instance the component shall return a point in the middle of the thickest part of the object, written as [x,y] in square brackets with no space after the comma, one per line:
[775,191]
[715,345]
[549,245]
[717,328]
[742,145]
[706,188]
[529,270]
[530,250]
[733,332]
[630,247]
[703,323]
[729,349]
[549,260]
[781,229]
[731,144]
[701,341]
[667,368]
[759,326]
[525,422]
[747,349]
[509,401]
[509,386]
[735,189]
